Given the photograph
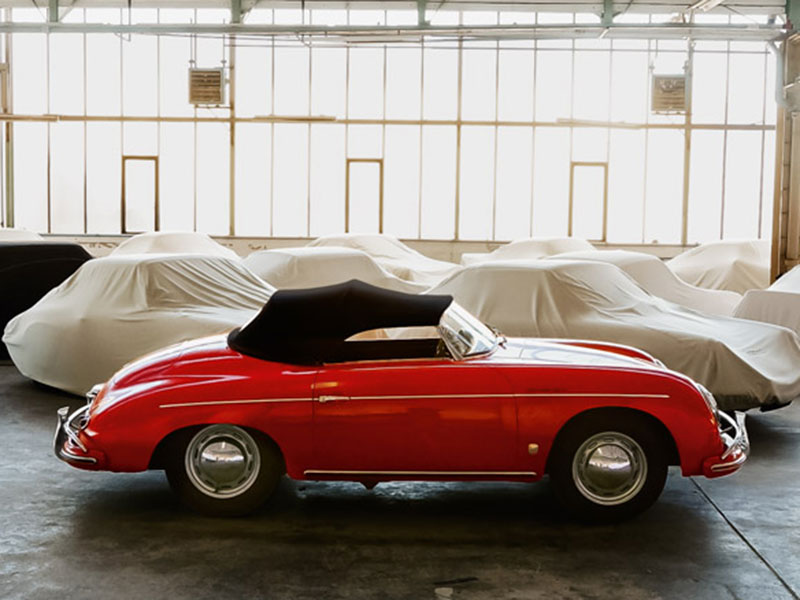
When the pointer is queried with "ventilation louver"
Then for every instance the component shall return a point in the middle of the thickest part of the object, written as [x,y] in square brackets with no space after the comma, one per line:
[206,87]
[669,94]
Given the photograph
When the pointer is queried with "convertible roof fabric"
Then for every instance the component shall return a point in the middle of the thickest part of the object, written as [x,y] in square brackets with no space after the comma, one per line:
[28,270]
[735,265]
[293,268]
[173,242]
[657,278]
[310,326]
[529,249]
[744,363]
[393,255]
[116,309]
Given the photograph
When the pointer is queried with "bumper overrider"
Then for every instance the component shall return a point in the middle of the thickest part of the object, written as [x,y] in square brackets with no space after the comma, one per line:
[737,446]
[68,444]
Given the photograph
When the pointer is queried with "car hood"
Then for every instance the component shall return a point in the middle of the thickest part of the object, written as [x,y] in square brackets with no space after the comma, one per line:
[573,353]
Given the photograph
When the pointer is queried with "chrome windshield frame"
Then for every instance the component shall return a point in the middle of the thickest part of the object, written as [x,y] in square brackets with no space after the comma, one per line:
[465,335]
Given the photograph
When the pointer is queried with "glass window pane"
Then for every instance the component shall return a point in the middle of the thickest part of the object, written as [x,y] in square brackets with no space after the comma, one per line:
[551,182]
[140,195]
[515,96]
[253,81]
[253,141]
[29,73]
[213,178]
[174,90]
[66,74]
[30,175]
[364,141]
[140,138]
[403,93]
[66,177]
[629,87]
[401,181]
[103,177]
[291,81]
[328,81]
[745,94]
[664,192]
[366,83]
[438,182]
[478,84]
[440,83]
[327,179]
[476,185]
[705,186]
[139,76]
[103,56]
[553,85]
[708,88]
[768,183]
[176,177]
[290,188]
[590,144]
[592,79]
[514,169]
[364,197]
[588,191]
[625,186]
[742,184]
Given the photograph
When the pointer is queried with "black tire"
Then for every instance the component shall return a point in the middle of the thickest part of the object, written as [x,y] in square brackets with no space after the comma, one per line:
[223,470]
[609,466]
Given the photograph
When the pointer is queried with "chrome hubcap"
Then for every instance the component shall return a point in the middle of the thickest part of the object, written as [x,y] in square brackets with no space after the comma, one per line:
[222,461]
[609,468]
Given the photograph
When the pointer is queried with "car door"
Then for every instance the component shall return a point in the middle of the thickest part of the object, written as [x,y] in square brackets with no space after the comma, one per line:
[413,418]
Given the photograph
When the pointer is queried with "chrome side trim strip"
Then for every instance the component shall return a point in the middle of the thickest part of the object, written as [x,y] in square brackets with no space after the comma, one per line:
[218,402]
[591,395]
[424,473]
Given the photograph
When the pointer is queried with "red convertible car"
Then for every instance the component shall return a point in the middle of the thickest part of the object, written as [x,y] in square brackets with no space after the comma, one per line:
[320,385]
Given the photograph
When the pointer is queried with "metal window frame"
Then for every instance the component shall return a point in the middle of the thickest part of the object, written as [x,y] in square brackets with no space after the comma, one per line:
[590,164]
[156,199]
[348,162]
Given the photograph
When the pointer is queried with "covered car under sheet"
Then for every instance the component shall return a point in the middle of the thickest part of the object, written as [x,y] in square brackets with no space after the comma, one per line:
[744,364]
[393,255]
[30,269]
[293,268]
[735,265]
[778,304]
[115,309]
[173,242]
[657,278]
[529,249]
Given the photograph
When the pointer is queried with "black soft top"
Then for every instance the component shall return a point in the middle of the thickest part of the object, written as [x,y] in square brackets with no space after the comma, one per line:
[310,326]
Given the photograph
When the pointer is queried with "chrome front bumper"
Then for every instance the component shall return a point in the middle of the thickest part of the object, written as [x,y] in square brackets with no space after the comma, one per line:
[67,436]
[737,446]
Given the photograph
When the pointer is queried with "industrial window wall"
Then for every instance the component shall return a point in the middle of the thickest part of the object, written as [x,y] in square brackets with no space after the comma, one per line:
[474,140]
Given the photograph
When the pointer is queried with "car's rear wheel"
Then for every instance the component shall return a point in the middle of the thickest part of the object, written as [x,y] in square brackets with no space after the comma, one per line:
[223,470]
[609,466]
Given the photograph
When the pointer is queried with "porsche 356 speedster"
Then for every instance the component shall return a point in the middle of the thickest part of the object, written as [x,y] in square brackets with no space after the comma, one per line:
[321,384]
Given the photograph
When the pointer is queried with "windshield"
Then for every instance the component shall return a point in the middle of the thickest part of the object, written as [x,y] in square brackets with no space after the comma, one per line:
[465,335]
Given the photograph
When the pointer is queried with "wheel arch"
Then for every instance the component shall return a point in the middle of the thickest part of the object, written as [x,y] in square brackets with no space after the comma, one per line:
[158,456]
[620,411]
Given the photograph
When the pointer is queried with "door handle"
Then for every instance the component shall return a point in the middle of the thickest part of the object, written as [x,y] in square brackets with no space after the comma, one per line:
[324,399]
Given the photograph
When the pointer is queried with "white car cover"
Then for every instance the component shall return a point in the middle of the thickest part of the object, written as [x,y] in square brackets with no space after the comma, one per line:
[18,235]
[115,309]
[393,255]
[657,278]
[778,304]
[528,249]
[173,242]
[733,265]
[291,268]
[745,364]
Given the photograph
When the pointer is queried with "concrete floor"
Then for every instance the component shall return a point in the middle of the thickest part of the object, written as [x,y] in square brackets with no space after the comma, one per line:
[65,533]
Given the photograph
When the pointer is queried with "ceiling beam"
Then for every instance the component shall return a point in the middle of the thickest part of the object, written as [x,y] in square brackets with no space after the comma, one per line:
[52,11]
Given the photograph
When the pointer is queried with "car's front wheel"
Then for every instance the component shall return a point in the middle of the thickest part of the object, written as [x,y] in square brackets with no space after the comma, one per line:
[608,467]
[223,470]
